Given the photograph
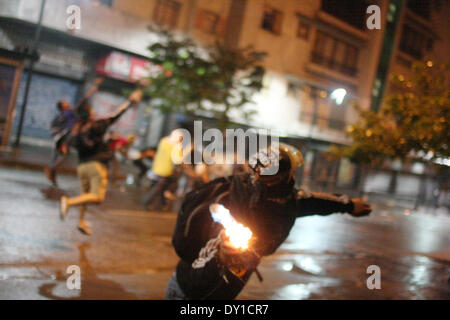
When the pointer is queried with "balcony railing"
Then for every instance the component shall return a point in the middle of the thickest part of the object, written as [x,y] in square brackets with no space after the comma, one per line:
[332,64]
[324,122]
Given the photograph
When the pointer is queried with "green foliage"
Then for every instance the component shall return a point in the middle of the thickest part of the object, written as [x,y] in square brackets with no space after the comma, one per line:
[192,79]
[412,122]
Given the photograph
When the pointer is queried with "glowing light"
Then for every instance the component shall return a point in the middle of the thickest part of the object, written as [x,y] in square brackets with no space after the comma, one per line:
[287,266]
[238,234]
[407,212]
[309,265]
[338,95]
[442,161]
[429,63]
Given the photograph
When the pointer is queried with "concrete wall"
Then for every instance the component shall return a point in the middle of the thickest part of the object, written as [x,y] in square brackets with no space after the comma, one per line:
[113,29]
[125,26]
[289,57]
[144,9]
[286,52]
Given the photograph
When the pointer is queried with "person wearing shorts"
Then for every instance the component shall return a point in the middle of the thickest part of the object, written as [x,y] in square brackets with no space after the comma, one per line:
[61,127]
[93,154]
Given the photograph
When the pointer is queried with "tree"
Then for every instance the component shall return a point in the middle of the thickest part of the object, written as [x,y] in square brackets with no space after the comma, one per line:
[213,81]
[412,123]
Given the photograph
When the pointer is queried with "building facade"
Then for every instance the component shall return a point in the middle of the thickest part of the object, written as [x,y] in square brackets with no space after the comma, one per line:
[420,35]
[314,48]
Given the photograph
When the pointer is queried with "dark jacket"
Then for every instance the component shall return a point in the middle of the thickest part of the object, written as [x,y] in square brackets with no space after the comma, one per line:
[269,212]
[63,121]
[88,139]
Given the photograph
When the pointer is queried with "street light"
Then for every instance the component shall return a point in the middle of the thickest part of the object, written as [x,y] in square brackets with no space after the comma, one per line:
[338,95]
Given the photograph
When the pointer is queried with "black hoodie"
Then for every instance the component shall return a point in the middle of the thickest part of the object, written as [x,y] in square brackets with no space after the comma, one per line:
[269,212]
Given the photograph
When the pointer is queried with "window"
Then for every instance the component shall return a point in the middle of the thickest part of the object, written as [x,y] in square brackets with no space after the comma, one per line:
[337,116]
[335,54]
[303,29]
[292,89]
[352,12]
[207,21]
[272,19]
[420,7]
[166,13]
[350,60]
[404,62]
[415,43]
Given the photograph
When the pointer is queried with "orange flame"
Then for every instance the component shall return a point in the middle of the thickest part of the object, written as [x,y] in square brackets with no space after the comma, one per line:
[238,234]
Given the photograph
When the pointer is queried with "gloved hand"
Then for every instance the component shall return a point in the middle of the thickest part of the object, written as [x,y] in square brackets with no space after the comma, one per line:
[238,261]
[360,208]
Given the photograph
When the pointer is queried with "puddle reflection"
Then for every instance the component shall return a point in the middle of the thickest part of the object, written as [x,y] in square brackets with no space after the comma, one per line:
[297,291]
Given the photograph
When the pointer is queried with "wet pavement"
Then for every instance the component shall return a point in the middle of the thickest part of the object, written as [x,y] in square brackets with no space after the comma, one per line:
[130,256]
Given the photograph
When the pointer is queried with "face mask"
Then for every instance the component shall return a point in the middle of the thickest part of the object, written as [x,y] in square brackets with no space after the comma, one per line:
[264,163]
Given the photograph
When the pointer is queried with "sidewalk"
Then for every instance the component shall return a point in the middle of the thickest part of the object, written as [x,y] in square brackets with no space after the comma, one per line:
[398,205]
[38,157]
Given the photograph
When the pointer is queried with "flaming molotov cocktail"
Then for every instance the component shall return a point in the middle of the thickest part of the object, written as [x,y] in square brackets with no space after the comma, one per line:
[236,237]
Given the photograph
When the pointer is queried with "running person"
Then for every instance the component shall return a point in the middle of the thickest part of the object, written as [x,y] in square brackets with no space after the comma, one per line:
[60,129]
[93,155]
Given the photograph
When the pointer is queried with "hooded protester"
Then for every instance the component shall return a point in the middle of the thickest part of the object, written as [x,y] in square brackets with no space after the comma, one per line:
[268,204]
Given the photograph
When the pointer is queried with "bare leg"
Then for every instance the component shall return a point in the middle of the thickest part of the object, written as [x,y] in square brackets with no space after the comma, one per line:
[83,226]
[82,199]
[93,179]
[82,210]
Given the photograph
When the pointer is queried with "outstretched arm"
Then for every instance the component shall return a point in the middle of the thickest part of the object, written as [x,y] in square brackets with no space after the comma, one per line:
[311,203]
[94,89]
[134,98]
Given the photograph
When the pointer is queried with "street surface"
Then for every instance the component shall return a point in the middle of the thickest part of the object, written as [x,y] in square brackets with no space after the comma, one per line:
[130,256]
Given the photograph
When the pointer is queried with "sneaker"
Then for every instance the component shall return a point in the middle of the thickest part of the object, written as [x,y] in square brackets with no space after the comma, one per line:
[63,208]
[85,228]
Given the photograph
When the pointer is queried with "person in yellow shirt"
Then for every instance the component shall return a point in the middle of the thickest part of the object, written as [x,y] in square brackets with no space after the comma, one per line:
[168,155]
